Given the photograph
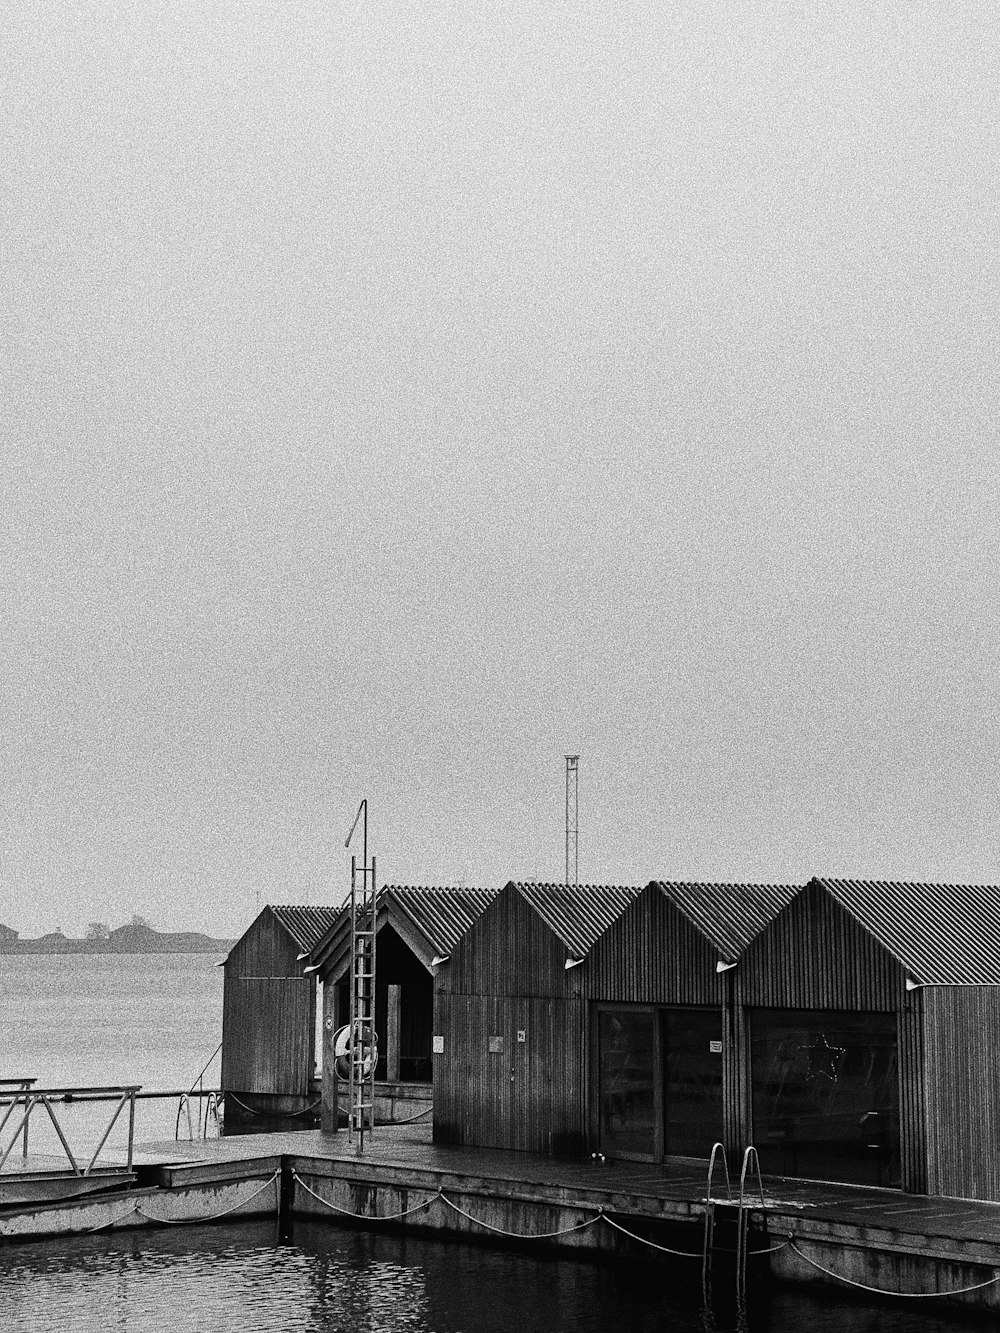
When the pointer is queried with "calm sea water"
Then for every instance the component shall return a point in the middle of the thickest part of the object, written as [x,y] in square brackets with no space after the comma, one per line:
[155,1021]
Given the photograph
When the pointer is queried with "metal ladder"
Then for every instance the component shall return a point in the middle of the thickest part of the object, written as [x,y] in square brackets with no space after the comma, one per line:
[361,1075]
[744,1204]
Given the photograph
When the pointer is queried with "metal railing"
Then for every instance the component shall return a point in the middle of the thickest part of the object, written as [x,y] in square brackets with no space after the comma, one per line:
[27,1098]
[209,1105]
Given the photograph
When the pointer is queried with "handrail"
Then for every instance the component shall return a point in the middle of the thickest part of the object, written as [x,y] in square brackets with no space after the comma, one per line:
[204,1068]
[708,1238]
[750,1156]
[32,1097]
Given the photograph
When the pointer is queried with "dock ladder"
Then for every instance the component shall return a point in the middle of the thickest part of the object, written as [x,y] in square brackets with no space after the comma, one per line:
[743,1204]
[363,1046]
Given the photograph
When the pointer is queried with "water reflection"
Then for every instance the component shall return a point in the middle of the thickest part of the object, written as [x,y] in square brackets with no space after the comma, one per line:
[238,1279]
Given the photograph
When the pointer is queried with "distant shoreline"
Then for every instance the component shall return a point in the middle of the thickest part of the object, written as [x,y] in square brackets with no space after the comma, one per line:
[201,944]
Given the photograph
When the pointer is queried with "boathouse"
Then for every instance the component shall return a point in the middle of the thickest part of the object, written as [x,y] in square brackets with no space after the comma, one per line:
[662,1079]
[609,1008]
[510,1024]
[269,1020]
[415,928]
[867,1017]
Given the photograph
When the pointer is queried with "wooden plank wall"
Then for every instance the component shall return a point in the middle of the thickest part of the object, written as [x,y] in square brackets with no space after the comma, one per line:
[961,1032]
[268,1036]
[815,956]
[506,975]
[525,1096]
[508,951]
[653,955]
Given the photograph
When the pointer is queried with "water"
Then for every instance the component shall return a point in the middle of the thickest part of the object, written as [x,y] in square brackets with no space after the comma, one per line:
[80,1020]
[154,1020]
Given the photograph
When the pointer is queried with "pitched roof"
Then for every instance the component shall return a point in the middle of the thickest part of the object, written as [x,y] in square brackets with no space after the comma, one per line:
[306,925]
[429,920]
[942,934]
[442,915]
[577,915]
[728,915]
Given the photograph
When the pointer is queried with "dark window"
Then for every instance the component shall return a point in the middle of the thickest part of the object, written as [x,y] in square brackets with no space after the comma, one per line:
[826,1094]
[627,1081]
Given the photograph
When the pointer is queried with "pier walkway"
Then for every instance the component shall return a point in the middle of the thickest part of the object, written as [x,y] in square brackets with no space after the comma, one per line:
[875,1240]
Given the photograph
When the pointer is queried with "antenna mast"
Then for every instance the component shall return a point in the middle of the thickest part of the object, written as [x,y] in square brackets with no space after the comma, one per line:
[572,825]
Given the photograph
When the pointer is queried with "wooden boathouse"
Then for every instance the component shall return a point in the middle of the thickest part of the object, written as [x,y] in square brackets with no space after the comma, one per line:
[591,1020]
[416,927]
[269,1019]
[511,1020]
[866,1017]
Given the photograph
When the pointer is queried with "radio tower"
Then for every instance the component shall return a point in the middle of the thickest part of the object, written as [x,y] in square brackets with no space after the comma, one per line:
[572,826]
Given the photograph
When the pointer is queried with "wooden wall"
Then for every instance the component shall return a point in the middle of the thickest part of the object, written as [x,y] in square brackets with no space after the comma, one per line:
[653,955]
[267,1015]
[815,956]
[961,1036]
[508,951]
[506,975]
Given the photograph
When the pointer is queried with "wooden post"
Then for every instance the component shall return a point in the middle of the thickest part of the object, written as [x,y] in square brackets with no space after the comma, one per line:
[394,1027]
[329,1107]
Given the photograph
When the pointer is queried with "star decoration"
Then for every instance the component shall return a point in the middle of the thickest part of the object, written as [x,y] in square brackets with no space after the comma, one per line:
[824,1059]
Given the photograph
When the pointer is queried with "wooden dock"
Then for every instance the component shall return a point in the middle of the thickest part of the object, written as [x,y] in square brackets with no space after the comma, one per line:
[923,1250]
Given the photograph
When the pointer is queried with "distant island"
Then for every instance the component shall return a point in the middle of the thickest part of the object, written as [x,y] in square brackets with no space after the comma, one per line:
[136,936]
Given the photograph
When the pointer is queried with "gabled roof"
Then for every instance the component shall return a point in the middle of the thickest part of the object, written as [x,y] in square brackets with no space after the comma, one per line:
[306,925]
[942,934]
[577,915]
[730,916]
[429,920]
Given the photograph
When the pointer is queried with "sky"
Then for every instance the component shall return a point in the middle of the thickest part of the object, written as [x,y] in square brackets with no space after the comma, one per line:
[398,397]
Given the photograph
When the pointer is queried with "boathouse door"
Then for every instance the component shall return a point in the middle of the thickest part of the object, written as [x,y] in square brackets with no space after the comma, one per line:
[692,1081]
[659,1079]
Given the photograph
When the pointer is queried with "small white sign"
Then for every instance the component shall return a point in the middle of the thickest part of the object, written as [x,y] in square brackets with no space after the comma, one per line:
[437,1045]
[715,1047]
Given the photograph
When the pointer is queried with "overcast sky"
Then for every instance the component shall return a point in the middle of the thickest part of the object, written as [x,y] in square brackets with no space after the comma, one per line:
[396,397]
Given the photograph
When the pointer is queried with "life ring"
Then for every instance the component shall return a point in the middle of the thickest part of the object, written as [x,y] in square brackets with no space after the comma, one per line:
[364,1041]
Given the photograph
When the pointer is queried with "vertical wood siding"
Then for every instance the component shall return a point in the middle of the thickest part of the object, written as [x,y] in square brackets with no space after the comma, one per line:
[653,955]
[508,974]
[961,1034]
[268,1033]
[508,951]
[815,956]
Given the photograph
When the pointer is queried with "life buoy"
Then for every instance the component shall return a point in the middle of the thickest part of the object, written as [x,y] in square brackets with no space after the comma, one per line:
[361,1046]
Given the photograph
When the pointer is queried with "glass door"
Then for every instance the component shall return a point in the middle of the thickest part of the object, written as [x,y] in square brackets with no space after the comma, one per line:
[692,1081]
[627,1077]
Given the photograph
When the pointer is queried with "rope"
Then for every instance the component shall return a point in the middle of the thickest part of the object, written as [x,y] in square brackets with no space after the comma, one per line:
[274,1115]
[366,1217]
[681,1254]
[185,1221]
[520,1235]
[881,1291]
[410,1118]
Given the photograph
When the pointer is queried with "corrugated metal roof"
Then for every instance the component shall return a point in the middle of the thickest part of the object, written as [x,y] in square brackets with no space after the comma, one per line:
[442,915]
[729,915]
[439,915]
[579,916]
[942,934]
[306,925]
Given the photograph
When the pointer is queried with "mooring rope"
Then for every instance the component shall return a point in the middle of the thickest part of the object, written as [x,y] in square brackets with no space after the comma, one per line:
[274,1115]
[366,1217]
[518,1235]
[187,1221]
[882,1291]
[681,1254]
